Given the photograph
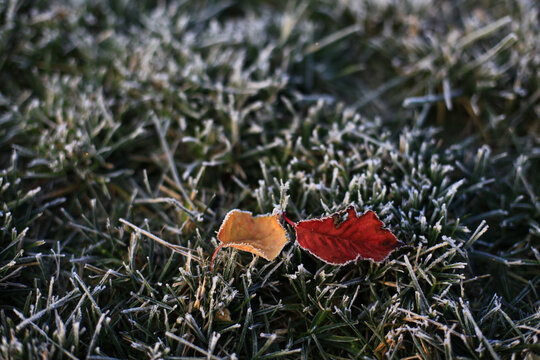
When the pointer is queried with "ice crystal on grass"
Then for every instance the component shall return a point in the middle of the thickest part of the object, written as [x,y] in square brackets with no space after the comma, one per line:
[125,122]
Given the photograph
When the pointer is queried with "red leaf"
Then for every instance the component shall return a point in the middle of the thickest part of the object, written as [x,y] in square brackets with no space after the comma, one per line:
[361,236]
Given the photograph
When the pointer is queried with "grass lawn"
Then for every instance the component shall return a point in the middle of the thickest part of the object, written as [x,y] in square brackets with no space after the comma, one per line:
[124,120]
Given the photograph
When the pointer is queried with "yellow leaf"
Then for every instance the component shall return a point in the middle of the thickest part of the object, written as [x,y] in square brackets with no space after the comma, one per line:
[262,235]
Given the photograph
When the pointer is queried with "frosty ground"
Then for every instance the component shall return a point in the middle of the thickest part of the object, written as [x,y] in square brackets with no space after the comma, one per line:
[170,114]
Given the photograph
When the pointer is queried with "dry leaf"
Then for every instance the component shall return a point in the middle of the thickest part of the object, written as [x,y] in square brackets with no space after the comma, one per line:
[360,236]
[262,235]
[223,315]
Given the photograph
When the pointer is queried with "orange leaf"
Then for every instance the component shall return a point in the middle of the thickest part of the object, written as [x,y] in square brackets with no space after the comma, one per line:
[261,235]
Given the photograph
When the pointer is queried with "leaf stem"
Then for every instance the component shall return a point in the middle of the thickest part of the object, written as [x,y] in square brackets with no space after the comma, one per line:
[214,257]
[289,221]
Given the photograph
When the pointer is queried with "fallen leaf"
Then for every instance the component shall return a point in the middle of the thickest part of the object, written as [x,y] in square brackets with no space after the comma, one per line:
[361,236]
[223,315]
[262,235]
